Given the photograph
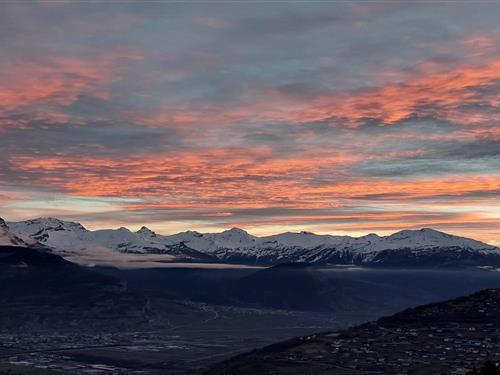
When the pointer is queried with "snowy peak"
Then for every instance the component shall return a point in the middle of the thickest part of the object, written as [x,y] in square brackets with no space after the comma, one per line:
[424,233]
[210,243]
[371,236]
[146,232]
[46,224]
[431,238]
[41,230]
[7,238]
[233,238]
[50,222]
[235,234]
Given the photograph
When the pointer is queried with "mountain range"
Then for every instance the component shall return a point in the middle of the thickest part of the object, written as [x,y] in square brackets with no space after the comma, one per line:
[408,248]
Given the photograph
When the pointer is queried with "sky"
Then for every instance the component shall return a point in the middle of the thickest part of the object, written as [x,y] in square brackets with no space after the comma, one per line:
[331,117]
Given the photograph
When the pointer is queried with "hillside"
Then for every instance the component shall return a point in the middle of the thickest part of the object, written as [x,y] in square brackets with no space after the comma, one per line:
[448,337]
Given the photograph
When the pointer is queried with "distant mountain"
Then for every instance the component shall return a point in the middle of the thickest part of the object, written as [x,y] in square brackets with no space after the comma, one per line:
[72,240]
[408,248]
[288,286]
[443,338]
[304,287]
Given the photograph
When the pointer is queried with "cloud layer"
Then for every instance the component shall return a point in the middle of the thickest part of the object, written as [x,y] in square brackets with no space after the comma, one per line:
[342,118]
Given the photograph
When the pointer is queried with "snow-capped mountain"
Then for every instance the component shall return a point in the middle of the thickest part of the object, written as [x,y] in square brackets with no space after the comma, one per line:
[73,240]
[408,247]
[7,238]
[236,245]
[146,232]
[213,243]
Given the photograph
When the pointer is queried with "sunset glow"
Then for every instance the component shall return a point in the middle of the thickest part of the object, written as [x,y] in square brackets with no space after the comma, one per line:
[328,117]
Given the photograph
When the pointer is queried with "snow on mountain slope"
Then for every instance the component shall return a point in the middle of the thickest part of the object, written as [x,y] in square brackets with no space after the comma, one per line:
[48,230]
[237,246]
[7,238]
[72,239]
[234,238]
[239,239]
[146,232]
[427,237]
[306,240]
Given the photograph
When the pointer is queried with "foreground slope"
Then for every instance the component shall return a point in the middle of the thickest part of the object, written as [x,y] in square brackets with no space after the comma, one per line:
[448,337]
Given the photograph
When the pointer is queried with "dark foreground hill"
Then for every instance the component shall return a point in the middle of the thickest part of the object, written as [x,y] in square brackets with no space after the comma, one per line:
[443,338]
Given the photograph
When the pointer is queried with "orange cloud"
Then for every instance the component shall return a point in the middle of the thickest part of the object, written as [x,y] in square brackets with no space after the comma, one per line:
[444,95]
[209,174]
[40,87]
[246,177]
[462,96]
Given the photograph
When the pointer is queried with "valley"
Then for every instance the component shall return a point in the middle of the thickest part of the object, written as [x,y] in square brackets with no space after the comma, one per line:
[205,327]
[208,338]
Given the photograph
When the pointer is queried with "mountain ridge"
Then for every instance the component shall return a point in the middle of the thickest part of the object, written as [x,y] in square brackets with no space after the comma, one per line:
[7,238]
[238,246]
